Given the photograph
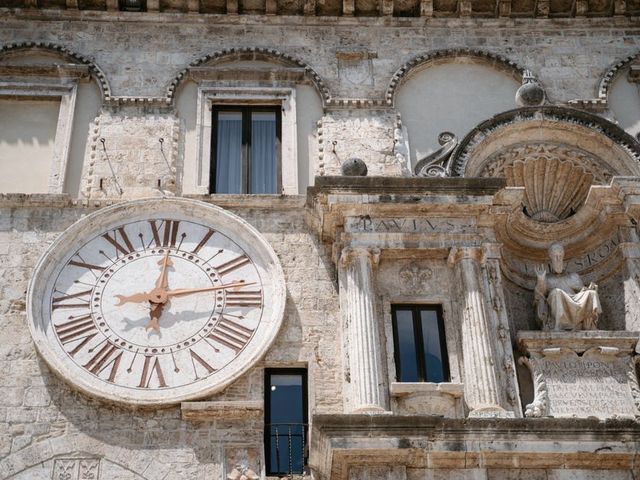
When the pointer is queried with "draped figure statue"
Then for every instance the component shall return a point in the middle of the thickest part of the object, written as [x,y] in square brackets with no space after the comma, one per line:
[563,302]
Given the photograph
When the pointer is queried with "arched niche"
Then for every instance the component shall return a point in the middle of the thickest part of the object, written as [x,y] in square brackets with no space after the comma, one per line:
[244,78]
[590,141]
[624,99]
[453,93]
[48,100]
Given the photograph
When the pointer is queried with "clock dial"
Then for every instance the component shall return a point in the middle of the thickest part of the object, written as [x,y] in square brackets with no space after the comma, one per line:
[159,308]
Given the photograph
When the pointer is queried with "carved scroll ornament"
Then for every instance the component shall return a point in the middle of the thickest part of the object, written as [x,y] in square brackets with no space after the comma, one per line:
[436,164]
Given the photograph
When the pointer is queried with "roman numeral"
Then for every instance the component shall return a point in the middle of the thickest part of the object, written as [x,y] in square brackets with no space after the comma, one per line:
[169,230]
[203,242]
[125,247]
[197,358]
[76,329]
[55,302]
[88,266]
[232,265]
[231,334]
[147,372]
[247,298]
[103,359]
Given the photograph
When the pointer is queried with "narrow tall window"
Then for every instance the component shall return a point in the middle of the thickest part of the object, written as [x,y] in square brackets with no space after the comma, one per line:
[246,150]
[285,420]
[419,342]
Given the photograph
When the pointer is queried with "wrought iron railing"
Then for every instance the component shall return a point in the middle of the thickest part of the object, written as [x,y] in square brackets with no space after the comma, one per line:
[286,448]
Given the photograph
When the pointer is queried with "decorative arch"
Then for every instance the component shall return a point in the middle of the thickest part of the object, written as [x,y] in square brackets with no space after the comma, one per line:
[421,61]
[611,74]
[472,155]
[66,448]
[248,54]
[103,83]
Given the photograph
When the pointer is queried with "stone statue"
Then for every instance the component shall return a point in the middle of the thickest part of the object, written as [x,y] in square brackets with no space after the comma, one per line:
[562,301]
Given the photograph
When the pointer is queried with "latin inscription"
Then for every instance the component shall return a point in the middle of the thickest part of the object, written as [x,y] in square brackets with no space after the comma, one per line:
[368,224]
[587,386]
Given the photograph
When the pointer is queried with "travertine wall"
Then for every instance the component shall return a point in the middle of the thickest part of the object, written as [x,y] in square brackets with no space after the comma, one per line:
[42,416]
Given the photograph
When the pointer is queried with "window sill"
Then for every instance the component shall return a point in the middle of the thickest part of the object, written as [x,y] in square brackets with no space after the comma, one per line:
[401,389]
[221,410]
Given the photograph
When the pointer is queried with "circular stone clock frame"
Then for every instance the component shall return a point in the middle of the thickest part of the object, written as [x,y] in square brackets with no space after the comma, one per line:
[157,301]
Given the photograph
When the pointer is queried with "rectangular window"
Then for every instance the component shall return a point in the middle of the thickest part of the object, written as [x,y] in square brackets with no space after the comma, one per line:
[419,343]
[285,420]
[246,149]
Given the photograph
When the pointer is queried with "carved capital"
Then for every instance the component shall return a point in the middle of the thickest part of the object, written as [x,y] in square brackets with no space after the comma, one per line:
[457,254]
[349,254]
[492,251]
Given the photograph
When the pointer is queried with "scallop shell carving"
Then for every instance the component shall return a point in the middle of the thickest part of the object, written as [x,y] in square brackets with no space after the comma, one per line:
[553,189]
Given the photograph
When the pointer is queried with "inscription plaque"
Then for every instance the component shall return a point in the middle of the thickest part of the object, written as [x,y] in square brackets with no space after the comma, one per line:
[586,380]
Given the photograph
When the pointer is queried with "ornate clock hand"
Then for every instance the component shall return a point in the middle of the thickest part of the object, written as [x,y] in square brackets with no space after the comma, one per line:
[188,291]
[162,282]
[136,298]
[154,321]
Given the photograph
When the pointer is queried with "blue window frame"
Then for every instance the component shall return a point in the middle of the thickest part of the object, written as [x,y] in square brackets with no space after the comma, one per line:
[285,421]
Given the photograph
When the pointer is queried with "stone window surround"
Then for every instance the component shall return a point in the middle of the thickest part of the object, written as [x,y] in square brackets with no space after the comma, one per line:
[209,95]
[454,386]
[66,92]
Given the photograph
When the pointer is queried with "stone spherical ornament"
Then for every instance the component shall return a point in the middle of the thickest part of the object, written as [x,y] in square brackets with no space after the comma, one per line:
[354,167]
[154,302]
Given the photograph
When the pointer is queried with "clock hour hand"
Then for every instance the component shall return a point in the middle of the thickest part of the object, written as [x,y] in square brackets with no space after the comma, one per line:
[188,291]
[135,298]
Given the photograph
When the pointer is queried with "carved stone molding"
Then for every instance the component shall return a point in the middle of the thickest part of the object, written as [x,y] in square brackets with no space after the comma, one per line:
[249,54]
[103,83]
[584,136]
[450,54]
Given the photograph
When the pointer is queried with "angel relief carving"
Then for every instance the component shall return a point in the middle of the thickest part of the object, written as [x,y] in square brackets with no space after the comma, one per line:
[562,300]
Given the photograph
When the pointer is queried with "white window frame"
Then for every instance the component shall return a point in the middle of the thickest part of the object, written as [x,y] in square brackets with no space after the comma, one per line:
[210,95]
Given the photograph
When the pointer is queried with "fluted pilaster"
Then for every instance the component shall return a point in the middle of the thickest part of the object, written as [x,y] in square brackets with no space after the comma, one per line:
[359,313]
[480,376]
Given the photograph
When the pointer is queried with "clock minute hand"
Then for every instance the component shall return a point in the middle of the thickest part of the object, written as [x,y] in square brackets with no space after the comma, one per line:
[166,262]
[188,291]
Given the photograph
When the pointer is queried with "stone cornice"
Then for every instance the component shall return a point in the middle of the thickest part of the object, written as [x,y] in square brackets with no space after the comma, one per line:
[341,441]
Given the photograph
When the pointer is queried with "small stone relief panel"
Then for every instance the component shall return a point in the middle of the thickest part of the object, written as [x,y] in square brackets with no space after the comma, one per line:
[581,376]
[76,469]
[378,472]
[368,136]
[131,156]
[243,462]
[356,67]
[423,278]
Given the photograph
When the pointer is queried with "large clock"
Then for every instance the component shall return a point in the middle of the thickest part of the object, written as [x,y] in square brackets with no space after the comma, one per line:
[156,301]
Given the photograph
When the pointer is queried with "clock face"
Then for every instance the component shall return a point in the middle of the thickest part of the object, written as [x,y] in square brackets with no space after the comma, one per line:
[156,301]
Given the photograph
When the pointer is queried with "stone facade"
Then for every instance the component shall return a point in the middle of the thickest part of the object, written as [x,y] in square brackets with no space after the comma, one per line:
[135,92]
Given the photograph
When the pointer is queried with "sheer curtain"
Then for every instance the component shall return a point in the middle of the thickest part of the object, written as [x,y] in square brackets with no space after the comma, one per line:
[229,153]
[264,175]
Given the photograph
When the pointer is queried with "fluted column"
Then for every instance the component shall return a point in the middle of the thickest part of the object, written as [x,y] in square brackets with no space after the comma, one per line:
[357,303]
[480,376]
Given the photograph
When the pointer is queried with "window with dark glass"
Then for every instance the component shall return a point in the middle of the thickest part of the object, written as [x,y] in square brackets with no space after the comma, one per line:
[285,420]
[419,343]
[245,149]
